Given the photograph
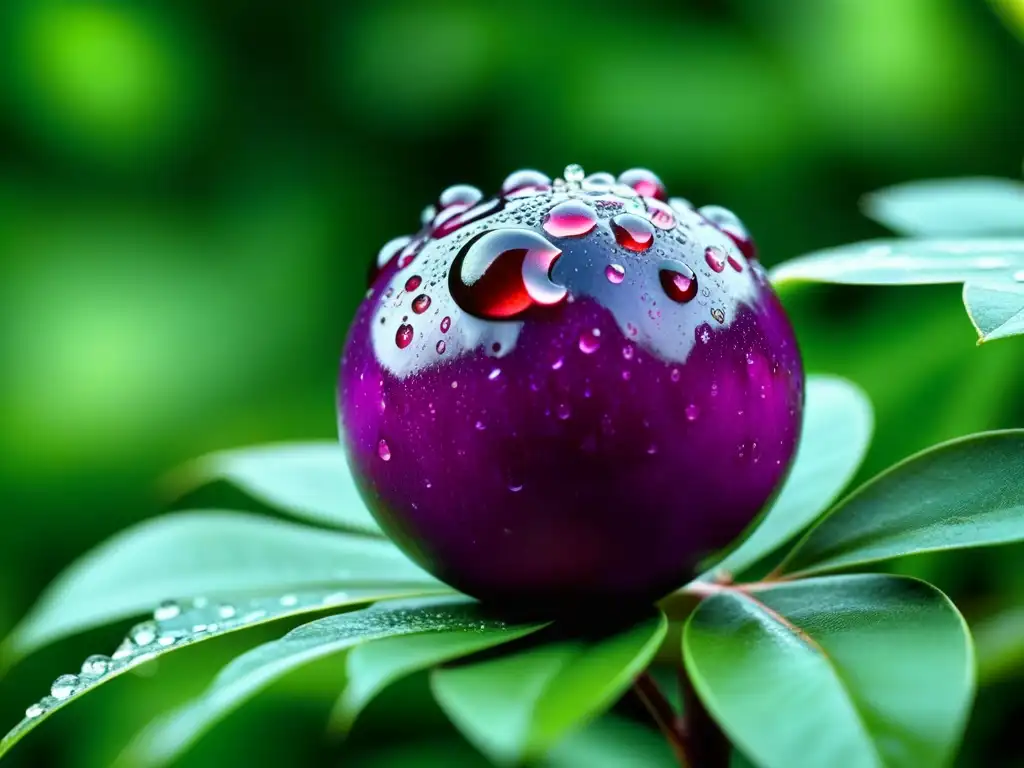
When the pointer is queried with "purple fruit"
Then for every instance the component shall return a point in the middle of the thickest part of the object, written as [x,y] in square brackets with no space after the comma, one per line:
[571,393]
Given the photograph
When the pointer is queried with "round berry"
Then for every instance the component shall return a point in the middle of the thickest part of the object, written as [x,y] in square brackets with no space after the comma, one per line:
[571,393]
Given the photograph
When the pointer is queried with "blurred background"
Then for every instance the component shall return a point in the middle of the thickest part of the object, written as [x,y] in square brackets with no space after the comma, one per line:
[190,193]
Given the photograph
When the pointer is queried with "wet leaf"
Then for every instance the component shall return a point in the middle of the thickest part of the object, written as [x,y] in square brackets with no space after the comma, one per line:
[996,309]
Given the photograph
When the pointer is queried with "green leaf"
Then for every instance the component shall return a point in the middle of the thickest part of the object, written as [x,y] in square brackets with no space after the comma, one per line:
[518,705]
[169,737]
[950,207]
[611,742]
[836,434]
[996,309]
[373,666]
[907,262]
[309,480]
[968,492]
[859,671]
[178,625]
[210,553]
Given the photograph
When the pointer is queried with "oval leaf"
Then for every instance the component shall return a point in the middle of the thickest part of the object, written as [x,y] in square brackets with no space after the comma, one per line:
[950,207]
[965,493]
[836,434]
[907,262]
[309,480]
[169,737]
[518,705]
[996,309]
[207,553]
[177,625]
[857,671]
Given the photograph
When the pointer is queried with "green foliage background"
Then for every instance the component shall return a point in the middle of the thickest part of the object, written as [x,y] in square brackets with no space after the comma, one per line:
[190,192]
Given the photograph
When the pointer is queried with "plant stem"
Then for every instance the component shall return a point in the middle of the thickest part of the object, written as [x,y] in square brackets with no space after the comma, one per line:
[705,744]
[663,715]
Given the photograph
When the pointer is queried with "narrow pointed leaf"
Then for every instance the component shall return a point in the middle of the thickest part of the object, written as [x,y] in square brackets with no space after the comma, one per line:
[864,671]
[950,207]
[836,433]
[965,493]
[371,667]
[907,262]
[996,309]
[171,736]
[516,706]
[207,553]
[309,480]
[193,621]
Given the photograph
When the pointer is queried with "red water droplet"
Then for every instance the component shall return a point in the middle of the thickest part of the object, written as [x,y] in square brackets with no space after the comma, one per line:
[590,341]
[410,252]
[572,218]
[403,336]
[413,283]
[679,282]
[446,323]
[420,304]
[615,273]
[524,179]
[661,214]
[632,232]
[692,412]
[729,223]
[441,347]
[456,217]
[459,194]
[715,258]
[504,272]
[675,375]
[644,182]
[383,450]
[734,263]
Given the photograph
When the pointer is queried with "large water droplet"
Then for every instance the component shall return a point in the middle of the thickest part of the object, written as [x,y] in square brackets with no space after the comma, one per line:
[34,711]
[64,686]
[167,610]
[96,665]
[403,336]
[464,195]
[574,173]
[413,283]
[661,214]
[715,258]
[644,182]
[632,232]
[410,252]
[590,341]
[227,611]
[383,450]
[729,223]
[572,218]
[679,281]
[524,179]
[598,183]
[615,273]
[504,272]
[144,634]
[390,250]
[457,217]
[420,304]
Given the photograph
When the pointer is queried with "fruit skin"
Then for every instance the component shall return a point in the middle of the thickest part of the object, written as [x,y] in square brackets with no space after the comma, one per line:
[588,452]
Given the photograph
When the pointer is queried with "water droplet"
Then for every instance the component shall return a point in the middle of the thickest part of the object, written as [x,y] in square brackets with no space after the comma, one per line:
[652,449]
[719,314]
[563,411]
[627,352]
[524,179]
[34,711]
[572,218]
[495,373]
[632,232]
[413,283]
[289,601]
[557,364]
[504,272]
[420,304]
[143,634]
[64,686]
[383,450]
[615,273]
[729,223]
[446,323]
[390,250]
[96,665]
[480,426]
[675,375]
[167,610]
[715,258]
[124,650]
[464,195]
[590,341]
[403,336]
[598,182]
[680,204]
[678,281]
[573,173]
[228,611]
[515,487]
[167,640]
[427,214]
[661,214]
[441,347]
[1019,275]
[692,412]
[405,258]
[626,375]
[644,182]
[734,263]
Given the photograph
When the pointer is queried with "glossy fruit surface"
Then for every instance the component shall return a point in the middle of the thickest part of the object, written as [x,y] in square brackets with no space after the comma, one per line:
[569,393]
